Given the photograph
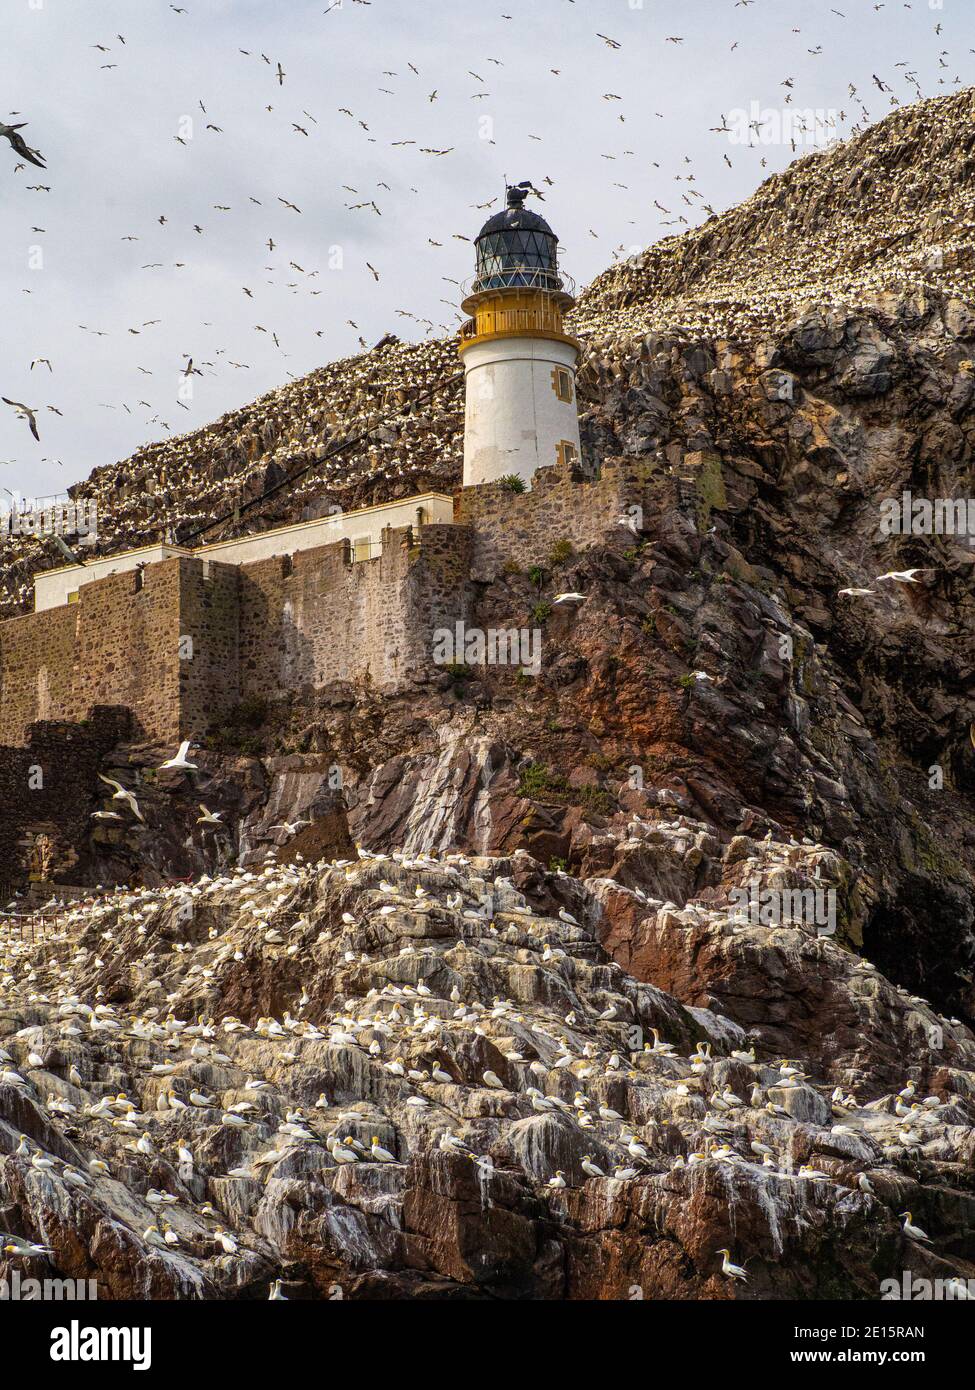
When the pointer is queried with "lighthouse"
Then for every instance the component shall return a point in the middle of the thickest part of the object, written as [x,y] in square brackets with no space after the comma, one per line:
[519,362]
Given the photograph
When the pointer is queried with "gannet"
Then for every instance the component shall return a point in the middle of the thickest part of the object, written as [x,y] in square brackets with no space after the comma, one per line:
[911,1230]
[121,794]
[225,1240]
[14,1245]
[733,1271]
[179,760]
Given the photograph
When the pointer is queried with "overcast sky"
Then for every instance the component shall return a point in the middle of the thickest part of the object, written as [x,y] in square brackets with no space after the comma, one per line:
[107,124]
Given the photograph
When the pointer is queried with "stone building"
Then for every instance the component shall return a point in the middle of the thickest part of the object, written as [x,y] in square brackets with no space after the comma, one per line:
[179,637]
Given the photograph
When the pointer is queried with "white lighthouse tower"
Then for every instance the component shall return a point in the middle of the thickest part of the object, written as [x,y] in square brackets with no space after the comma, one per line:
[519,363]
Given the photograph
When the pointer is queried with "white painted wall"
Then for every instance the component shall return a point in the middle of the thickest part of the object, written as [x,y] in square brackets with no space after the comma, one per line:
[366,522]
[513,418]
[51,589]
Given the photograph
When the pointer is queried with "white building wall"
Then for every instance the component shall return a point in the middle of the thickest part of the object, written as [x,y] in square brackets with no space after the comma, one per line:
[51,589]
[514,420]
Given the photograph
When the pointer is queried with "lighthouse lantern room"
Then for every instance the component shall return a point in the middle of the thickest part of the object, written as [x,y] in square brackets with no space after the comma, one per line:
[519,362]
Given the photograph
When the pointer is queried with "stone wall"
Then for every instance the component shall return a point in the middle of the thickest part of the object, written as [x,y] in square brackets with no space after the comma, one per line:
[182,642]
[522,528]
[46,788]
[316,617]
[127,647]
[36,670]
[209,644]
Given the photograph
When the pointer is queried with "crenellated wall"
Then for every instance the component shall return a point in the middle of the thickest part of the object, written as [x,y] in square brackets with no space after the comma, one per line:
[182,642]
[522,528]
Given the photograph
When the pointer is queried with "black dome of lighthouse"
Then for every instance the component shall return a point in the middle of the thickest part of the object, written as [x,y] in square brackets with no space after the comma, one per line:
[517,248]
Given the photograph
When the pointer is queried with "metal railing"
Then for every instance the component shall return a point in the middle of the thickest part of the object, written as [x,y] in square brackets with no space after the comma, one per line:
[33,926]
[520,277]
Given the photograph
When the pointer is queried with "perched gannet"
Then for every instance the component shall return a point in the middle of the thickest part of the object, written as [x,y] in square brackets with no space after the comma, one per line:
[452,1143]
[733,1271]
[911,1230]
[226,1241]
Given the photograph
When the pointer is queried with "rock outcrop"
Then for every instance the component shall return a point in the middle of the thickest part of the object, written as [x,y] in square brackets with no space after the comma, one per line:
[415,1076]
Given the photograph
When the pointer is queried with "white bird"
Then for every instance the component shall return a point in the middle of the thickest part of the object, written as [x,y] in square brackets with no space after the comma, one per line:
[900,576]
[343,1153]
[567,917]
[911,1230]
[180,761]
[122,794]
[569,598]
[592,1169]
[209,817]
[733,1271]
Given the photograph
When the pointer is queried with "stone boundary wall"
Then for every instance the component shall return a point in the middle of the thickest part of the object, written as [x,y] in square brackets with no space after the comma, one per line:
[183,641]
[522,528]
[37,654]
[59,803]
[118,645]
